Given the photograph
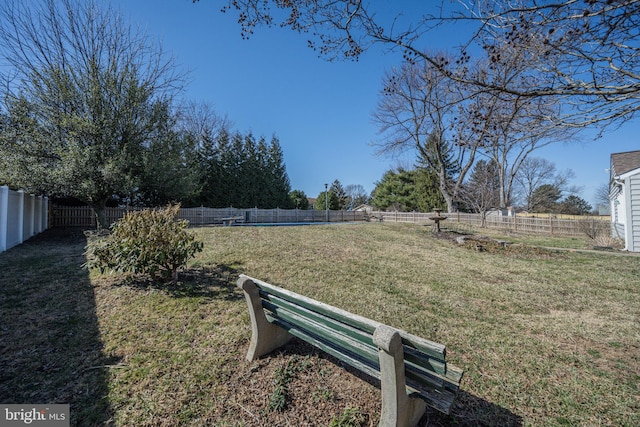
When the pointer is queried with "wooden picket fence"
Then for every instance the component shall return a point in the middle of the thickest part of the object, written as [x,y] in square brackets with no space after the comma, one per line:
[458,221]
[82,216]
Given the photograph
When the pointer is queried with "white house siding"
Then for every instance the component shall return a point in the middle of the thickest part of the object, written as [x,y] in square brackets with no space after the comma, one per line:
[618,212]
[633,210]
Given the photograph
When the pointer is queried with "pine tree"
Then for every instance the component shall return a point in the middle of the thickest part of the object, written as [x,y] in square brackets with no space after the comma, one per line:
[279,184]
[338,190]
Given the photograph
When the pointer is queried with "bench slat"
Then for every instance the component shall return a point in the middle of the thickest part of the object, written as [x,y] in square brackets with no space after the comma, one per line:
[431,348]
[373,371]
[358,334]
[320,307]
[442,401]
[424,361]
[321,332]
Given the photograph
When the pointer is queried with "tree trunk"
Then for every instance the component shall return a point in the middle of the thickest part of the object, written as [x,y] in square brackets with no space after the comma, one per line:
[99,210]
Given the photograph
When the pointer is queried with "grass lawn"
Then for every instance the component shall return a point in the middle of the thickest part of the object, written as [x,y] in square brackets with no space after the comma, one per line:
[545,337]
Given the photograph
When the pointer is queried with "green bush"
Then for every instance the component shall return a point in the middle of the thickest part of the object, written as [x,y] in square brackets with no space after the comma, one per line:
[149,242]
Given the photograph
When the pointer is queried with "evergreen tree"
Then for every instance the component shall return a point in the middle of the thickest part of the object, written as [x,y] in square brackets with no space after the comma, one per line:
[278,180]
[339,192]
[250,179]
[299,200]
[414,190]
[394,191]
[169,171]
[428,195]
[334,202]
[574,205]
[86,94]
[545,198]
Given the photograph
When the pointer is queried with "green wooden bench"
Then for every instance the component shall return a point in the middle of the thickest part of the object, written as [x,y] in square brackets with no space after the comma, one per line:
[413,371]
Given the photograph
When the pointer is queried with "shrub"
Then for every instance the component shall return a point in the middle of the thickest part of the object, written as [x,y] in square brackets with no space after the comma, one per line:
[600,232]
[150,242]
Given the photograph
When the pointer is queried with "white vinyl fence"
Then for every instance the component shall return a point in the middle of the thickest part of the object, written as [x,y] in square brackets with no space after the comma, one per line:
[22,216]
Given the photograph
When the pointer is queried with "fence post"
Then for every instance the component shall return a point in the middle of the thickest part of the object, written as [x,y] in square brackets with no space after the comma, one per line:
[45,213]
[4,213]
[20,216]
[30,215]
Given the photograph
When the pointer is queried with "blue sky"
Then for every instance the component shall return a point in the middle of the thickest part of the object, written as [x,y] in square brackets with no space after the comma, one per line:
[320,111]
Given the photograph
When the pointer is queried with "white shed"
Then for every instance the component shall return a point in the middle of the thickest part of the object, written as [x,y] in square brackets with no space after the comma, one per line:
[624,194]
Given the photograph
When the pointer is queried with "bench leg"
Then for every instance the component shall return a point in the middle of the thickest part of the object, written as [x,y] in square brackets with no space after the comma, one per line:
[398,409]
[265,336]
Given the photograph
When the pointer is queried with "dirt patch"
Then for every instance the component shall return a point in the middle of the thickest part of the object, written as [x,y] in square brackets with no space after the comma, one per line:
[498,247]
[321,390]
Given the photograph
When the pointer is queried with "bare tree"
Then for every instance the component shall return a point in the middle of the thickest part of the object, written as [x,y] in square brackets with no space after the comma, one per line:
[482,192]
[417,108]
[534,172]
[201,120]
[419,105]
[509,127]
[602,195]
[584,53]
[356,196]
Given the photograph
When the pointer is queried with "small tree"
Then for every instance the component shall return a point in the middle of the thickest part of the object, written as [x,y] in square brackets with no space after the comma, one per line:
[545,198]
[356,196]
[334,202]
[482,192]
[299,200]
[574,205]
[149,242]
[337,189]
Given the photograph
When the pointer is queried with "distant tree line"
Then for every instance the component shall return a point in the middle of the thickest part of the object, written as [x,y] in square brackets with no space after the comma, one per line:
[238,170]
[538,187]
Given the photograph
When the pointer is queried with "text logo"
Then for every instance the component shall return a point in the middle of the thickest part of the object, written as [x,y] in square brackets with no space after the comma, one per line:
[35,415]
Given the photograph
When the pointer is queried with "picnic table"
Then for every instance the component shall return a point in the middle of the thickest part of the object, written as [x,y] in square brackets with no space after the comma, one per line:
[232,220]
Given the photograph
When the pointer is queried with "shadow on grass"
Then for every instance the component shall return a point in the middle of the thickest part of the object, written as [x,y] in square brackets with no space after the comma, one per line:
[468,410]
[205,282]
[50,347]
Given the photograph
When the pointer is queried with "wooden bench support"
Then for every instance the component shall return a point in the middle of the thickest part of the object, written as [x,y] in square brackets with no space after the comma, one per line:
[265,336]
[398,409]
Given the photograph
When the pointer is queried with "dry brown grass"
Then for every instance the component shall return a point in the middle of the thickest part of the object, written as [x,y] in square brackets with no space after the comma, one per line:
[545,337]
